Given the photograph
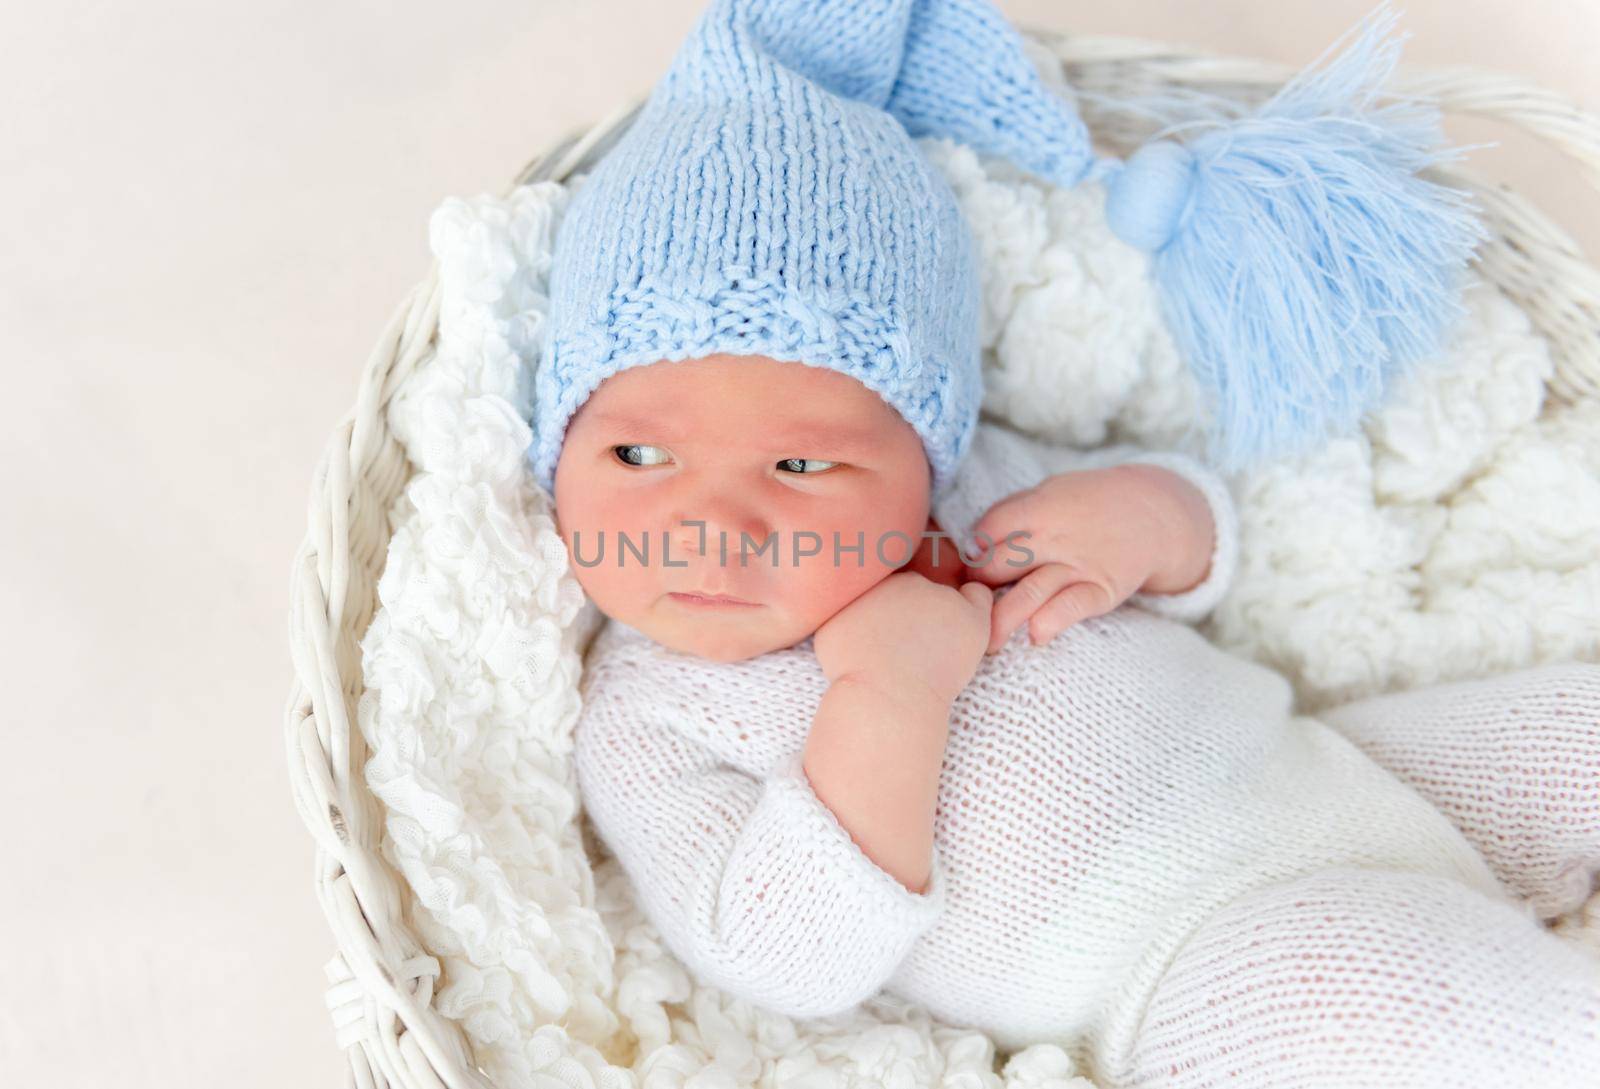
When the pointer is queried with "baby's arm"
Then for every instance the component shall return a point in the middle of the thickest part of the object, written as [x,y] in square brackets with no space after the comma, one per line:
[875,752]
[753,882]
[1003,461]
[1189,539]
[895,658]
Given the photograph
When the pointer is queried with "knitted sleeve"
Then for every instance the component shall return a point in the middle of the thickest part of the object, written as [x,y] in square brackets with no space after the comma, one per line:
[752,881]
[1002,461]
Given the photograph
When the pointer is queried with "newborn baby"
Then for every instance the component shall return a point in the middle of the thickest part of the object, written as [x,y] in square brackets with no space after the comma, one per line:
[836,757]
[1120,838]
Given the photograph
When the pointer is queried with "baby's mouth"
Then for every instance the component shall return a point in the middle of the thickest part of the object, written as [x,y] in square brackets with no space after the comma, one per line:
[711,601]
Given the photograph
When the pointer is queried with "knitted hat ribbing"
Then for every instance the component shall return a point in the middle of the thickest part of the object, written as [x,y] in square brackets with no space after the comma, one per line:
[768,200]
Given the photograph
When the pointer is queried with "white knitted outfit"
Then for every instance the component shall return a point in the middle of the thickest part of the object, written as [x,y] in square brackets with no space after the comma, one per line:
[1140,851]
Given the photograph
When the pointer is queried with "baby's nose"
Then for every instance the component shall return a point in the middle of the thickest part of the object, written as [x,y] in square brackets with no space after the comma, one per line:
[712,534]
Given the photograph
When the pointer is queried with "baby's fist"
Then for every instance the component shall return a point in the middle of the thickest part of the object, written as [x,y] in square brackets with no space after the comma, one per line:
[909,631]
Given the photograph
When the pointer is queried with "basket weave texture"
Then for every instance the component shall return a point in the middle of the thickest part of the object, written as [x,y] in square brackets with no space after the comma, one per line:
[381,979]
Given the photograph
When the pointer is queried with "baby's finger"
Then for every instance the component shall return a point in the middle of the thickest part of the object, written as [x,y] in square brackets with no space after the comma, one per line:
[1080,601]
[1024,599]
[1002,561]
[979,594]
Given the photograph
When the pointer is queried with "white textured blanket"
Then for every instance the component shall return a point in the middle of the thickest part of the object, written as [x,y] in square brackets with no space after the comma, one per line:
[1456,538]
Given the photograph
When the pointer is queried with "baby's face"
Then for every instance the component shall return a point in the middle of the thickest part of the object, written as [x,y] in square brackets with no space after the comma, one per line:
[748,445]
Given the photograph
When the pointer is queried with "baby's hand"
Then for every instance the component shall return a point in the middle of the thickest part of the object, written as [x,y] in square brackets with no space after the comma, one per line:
[910,634]
[1098,536]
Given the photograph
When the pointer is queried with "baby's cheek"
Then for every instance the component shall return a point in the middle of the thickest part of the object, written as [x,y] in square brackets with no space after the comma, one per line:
[593,533]
[832,585]
[610,586]
[846,567]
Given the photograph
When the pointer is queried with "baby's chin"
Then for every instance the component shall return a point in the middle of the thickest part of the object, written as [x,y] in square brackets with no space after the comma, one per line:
[723,634]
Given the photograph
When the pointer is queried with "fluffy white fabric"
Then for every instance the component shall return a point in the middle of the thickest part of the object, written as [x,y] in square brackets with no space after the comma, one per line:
[1453,539]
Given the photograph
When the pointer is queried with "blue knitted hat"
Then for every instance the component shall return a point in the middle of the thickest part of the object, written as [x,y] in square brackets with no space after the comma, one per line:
[768,200]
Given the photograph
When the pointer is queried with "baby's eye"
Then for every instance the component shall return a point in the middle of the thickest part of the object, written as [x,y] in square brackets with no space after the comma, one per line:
[624,453]
[789,465]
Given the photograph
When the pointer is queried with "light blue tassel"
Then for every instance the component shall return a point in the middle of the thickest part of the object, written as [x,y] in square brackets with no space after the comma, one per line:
[1302,263]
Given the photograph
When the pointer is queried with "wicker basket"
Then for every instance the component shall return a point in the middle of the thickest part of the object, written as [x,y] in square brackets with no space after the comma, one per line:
[381,979]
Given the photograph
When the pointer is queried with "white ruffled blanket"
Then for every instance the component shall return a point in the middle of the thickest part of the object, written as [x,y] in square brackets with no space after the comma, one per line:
[1455,539]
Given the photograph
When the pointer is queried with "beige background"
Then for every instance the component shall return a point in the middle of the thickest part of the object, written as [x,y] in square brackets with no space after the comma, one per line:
[209,212]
